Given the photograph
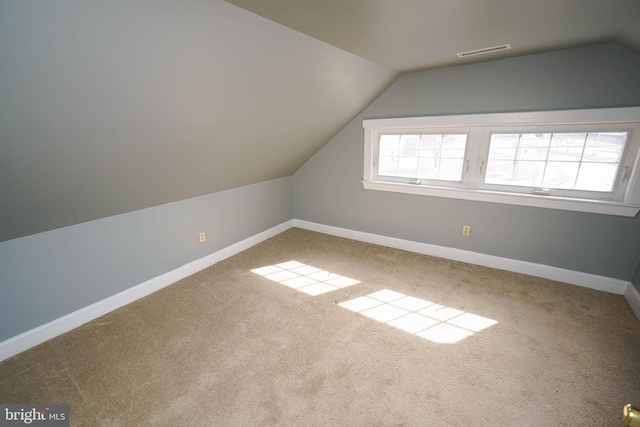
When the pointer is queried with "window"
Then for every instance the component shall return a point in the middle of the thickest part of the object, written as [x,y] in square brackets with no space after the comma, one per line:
[585,161]
[580,160]
[427,156]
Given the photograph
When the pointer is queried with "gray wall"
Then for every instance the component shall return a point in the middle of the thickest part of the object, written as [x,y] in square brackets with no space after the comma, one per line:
[636,278]
[48,275]
[328,188]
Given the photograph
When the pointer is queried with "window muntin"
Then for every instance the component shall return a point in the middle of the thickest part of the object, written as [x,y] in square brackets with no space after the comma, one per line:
[426,156]
[584,160]
[580,161]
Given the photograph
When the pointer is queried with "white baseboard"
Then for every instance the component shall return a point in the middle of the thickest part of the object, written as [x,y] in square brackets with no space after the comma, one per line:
[587,280]
[50,330]
[45,332]
[632,296]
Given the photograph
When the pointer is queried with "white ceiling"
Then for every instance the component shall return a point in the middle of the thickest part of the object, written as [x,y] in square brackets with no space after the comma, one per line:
[410,35]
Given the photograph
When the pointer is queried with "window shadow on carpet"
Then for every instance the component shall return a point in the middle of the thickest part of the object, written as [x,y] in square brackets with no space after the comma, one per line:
[434,322]
[305,278]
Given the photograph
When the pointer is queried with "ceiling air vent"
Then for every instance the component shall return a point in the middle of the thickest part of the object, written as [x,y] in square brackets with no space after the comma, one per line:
[483,51]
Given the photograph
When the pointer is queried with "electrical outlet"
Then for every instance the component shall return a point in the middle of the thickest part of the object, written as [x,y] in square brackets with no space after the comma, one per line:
[466,230]
[202,236]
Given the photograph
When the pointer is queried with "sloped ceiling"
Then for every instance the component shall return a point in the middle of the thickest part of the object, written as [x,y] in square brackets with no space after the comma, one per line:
[113,106]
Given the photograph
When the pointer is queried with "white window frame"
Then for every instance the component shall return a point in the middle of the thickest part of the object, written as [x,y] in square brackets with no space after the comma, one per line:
[472,134]
[625,200]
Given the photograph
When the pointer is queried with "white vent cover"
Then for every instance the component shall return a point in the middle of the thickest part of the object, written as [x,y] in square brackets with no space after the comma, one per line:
[483,51]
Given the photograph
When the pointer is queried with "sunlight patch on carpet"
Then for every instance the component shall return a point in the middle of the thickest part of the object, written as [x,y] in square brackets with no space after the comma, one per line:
[434,322]
[305,278]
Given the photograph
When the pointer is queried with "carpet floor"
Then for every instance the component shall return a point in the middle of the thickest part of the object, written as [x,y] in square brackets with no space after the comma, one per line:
[306,329]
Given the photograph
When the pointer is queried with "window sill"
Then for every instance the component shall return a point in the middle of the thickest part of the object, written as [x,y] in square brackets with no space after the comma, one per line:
[549,202]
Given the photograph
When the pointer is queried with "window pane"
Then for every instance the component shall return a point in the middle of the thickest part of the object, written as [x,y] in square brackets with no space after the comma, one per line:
[389,153]
[534,146]
[528,174]
[560,175]
[451,169]
[429,168]
[504,147]
[408,166]
[567,146]
[389,145]
[500,172]
[596,176]
[388,166]
[409,145]
[430,145]
[428,156]
[604,147]
[453,146]
[409,150]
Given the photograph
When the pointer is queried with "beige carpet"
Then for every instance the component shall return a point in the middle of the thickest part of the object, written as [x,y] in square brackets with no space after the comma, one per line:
[230,347]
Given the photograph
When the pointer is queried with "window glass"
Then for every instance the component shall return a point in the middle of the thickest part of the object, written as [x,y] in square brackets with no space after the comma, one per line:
[586,161]
[422,156]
